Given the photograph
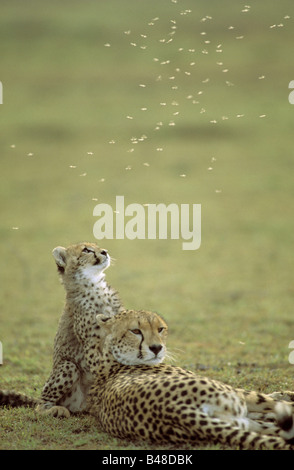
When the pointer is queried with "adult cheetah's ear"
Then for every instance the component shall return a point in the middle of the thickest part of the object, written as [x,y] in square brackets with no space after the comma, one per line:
[59,254]
[104,321]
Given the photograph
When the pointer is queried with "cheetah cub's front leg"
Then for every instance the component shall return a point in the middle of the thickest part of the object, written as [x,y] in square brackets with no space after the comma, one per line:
[59,386]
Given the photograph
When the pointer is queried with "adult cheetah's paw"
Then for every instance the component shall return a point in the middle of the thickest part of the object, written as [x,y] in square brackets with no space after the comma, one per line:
[56,411]
[284,395]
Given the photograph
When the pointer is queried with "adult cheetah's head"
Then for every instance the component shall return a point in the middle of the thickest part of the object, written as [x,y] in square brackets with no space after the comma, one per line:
[134,337]
[83,260]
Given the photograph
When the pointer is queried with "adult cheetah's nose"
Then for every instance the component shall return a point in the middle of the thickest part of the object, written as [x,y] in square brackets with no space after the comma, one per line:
[155,348]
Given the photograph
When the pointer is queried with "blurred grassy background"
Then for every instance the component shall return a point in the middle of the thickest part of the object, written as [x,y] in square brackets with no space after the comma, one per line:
[214,108]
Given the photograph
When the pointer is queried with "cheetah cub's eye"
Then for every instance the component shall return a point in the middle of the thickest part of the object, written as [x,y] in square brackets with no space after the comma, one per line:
[136,331]
[85,250]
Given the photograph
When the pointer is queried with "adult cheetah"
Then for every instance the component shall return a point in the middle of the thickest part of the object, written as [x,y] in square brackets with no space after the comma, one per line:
[136,397]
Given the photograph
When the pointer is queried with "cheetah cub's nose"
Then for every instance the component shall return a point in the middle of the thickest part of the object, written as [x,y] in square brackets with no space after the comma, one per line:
[104,252]
[155,348]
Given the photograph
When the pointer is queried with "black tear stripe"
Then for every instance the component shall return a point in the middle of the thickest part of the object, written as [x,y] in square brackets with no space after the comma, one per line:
[140,355]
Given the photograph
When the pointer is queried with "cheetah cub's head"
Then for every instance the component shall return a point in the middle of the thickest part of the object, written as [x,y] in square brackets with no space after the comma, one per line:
[134,337]
[81,261]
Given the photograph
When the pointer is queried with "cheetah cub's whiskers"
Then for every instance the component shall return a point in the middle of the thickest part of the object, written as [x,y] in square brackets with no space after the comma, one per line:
[81,268]
[135,396]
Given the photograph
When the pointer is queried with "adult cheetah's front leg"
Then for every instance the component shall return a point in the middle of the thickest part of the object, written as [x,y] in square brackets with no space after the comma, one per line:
[58,389]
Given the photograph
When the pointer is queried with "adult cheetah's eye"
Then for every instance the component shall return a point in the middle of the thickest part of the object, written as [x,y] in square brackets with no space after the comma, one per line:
[160,330]
[136,331]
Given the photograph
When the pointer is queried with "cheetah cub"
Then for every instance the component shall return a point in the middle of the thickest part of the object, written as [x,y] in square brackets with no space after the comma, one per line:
[136,397]
[81,268]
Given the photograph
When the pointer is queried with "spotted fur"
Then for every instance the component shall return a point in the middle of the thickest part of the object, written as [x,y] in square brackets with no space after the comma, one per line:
[81,268]
[135,396]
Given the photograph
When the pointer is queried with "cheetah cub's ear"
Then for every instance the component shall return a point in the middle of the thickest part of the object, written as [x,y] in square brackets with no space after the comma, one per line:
[59,254]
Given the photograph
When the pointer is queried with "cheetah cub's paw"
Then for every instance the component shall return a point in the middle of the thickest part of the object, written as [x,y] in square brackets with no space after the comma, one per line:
[56,411]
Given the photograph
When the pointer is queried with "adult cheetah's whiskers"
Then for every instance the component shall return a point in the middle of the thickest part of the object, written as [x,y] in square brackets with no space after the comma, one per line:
[171,356]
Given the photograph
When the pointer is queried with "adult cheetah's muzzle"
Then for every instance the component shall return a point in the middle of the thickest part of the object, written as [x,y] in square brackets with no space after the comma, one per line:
[155,348]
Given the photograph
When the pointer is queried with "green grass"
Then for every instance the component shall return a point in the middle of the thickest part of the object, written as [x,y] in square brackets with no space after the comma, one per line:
[66,96]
